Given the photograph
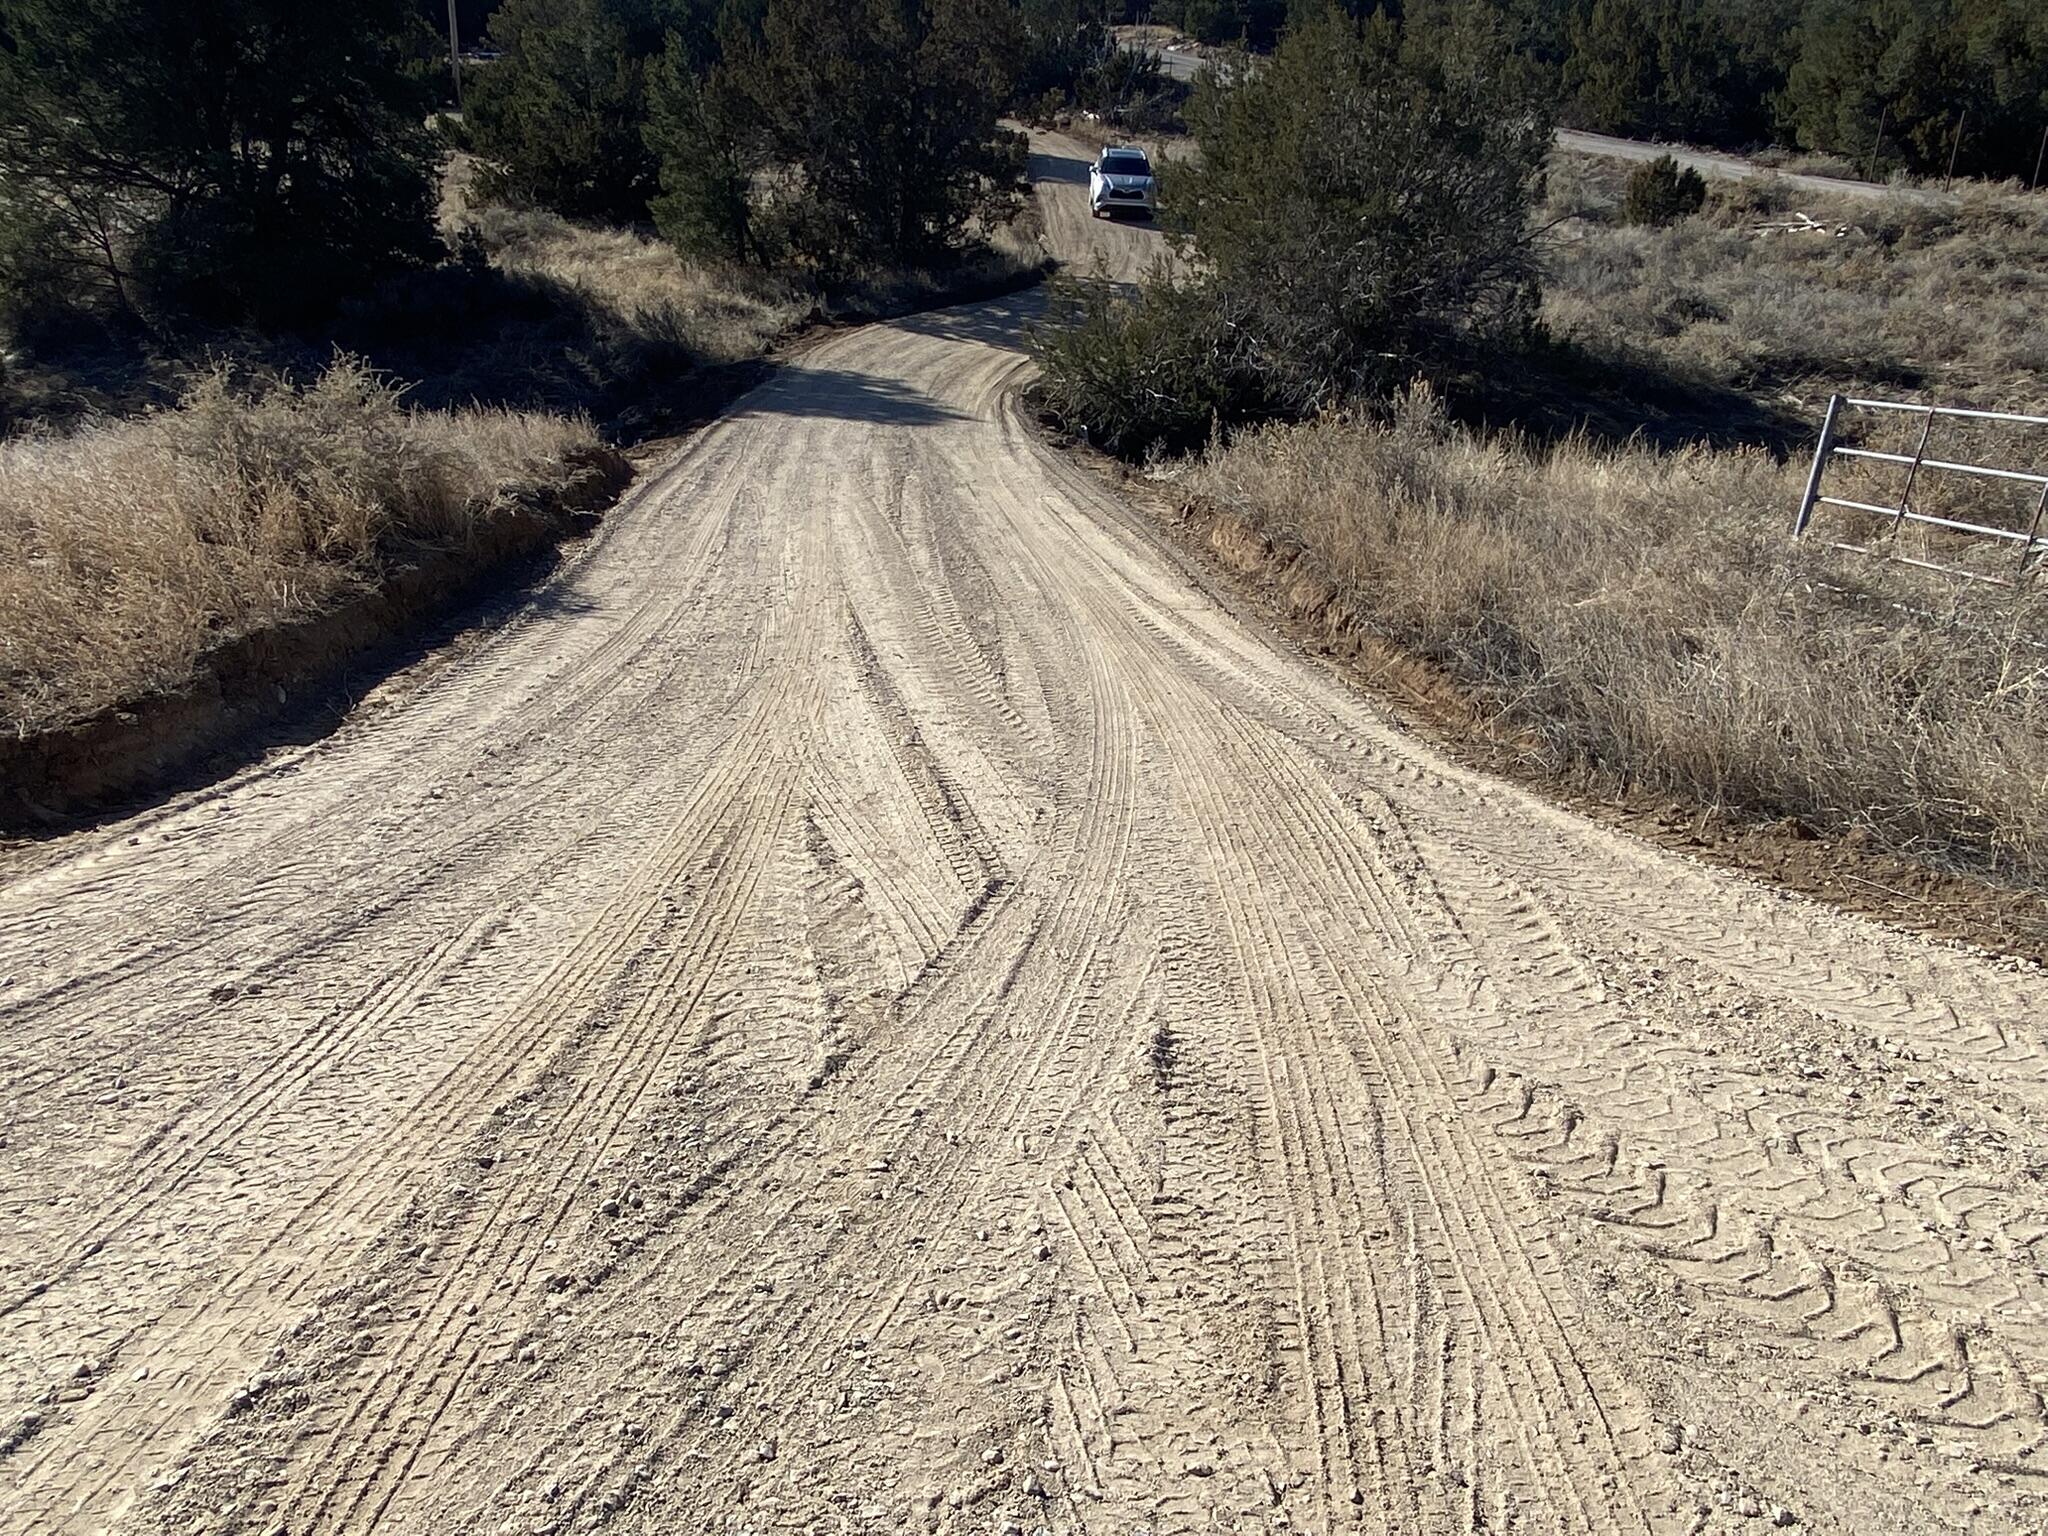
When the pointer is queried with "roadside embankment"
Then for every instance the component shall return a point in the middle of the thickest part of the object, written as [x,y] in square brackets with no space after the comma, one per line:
[169,581]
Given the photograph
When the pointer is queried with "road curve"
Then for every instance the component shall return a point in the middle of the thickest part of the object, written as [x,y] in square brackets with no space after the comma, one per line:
[874,1003]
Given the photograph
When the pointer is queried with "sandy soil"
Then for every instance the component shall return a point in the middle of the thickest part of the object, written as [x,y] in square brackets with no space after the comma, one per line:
[875,1004]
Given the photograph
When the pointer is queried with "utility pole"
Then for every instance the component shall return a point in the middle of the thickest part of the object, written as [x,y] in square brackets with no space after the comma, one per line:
[1870,171]
[1961,118]
[455,52]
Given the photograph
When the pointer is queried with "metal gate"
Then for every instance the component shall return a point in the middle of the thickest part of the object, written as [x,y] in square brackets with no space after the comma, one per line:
[2026,538]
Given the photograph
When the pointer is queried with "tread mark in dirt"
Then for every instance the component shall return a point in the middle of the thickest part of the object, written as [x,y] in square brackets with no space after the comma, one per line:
[972,1031]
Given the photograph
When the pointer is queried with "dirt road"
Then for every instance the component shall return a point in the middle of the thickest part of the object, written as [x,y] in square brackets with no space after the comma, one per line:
[876,1004]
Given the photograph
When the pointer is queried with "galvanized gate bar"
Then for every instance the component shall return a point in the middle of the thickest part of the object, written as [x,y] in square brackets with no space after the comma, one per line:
[1948,410]
[1898,516]
[1950,570]
[1855,506]
[1922,517]
[1985,469]
[1874,453]
[1965,469]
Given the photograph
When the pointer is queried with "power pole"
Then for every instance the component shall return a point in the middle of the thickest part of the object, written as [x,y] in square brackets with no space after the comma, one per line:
[455,53]
[1870,171]
[1954,146]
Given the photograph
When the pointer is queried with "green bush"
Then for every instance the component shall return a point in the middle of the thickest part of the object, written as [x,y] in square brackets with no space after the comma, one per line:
[695,124]
[1662,192]
[1130,370]
[841,138]
[1045,109]
[1352,213]
[558,118]
[234,159]
[1055,44]
[1255,22]
[1130,87]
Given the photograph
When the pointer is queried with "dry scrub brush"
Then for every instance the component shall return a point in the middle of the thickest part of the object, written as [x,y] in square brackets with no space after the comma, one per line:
[1943,301]
[609,320]
[1643,617]
[130,548]
[642,285]
[713,311]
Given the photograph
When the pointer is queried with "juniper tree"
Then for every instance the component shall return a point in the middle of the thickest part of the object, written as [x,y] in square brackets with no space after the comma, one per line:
[558,116]
[858,134]
[237,159]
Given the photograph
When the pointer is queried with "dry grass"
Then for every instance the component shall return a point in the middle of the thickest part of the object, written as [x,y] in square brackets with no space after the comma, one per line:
[641,284]
[547,313]
[1010,255]
[643,288]
[1642,617]
[129,548]
[1808,163]
[723,314]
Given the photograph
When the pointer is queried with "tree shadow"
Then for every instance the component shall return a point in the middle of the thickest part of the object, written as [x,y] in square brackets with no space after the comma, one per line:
[1064,169]
[999,322]
[470,334]
[462,333]
[845,395]
[1555,390]
[85,367]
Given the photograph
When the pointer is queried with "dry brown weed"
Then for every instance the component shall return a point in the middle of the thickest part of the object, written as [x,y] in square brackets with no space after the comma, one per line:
[129,548]
[1644,616]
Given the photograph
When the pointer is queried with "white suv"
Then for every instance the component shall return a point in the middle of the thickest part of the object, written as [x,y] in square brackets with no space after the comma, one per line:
[1121,180]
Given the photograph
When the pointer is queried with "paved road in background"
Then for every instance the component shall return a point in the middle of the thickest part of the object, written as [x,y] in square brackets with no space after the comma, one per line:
[1184,64]
[1735,168]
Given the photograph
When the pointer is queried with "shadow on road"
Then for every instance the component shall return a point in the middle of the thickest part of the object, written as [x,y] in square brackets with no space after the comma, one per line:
[847,396]
[999,322]
[1061,168]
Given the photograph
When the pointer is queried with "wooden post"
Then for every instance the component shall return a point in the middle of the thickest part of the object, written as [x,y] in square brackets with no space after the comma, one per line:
[1870,171]
[1821,450]
[455,52]
[1913,471]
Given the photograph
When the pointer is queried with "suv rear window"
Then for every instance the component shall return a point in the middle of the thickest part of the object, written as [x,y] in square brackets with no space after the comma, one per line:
[1126,164]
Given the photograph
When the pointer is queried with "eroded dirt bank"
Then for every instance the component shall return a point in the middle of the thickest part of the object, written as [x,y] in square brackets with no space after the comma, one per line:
[877,1005]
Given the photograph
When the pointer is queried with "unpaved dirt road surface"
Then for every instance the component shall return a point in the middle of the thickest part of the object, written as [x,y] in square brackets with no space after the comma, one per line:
[876,1003]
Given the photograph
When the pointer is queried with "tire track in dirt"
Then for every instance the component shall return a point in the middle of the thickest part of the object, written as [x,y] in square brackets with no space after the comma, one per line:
[388,1430]
[876,1004]
[161,1165]
[368,1187]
